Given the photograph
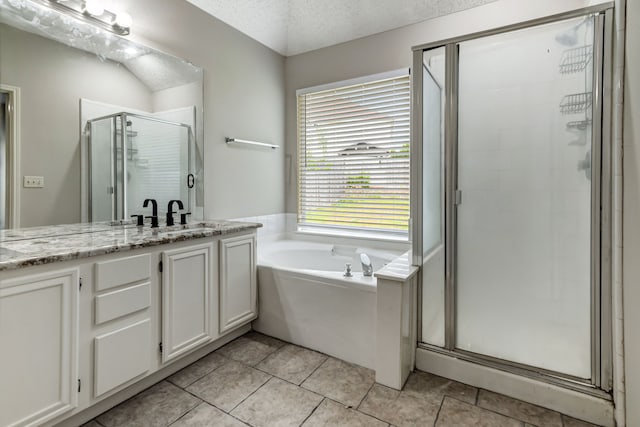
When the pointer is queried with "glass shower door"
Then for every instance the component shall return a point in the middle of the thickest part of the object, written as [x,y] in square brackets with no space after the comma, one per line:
[523,237]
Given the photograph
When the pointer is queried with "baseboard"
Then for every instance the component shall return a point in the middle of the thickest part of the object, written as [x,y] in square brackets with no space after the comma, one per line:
[575,404]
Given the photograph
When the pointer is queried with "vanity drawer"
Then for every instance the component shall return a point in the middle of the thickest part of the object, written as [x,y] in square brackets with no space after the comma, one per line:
[121,355]
[121,302]
[111,274]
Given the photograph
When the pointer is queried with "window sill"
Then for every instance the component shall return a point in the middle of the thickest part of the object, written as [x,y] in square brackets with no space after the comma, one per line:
[354,234]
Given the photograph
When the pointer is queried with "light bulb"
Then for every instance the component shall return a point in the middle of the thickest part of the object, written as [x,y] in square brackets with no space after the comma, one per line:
[94,7]
[123,20]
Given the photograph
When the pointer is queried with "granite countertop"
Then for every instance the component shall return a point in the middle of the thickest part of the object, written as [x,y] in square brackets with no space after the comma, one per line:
[26,247]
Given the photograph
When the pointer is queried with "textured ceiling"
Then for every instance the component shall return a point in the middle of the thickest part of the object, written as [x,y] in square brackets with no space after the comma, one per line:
[295,26]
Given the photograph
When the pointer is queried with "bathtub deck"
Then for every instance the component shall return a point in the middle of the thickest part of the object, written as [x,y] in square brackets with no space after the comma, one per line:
[257,380]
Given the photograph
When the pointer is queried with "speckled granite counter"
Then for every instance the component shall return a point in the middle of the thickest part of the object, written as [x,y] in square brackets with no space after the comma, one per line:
[26,247]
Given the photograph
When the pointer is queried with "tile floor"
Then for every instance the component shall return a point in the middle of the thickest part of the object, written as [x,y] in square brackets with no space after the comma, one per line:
[257,380]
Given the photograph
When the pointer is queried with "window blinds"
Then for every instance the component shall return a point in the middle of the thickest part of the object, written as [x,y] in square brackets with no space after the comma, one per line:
[354,156]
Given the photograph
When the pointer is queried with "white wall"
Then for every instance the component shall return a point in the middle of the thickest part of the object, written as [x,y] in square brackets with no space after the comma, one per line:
[392,50]
[243,98]
[631,213]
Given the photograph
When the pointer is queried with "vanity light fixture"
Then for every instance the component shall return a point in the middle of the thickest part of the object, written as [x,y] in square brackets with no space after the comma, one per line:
[94,12]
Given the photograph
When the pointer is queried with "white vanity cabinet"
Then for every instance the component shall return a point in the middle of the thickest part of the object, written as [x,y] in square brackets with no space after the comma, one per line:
[188,286]
[81,335]
[238,299]
[38,346]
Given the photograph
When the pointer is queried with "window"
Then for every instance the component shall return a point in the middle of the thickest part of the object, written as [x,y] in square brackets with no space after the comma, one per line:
[353,141]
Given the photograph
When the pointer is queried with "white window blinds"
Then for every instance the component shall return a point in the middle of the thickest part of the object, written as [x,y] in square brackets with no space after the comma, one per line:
[354,156]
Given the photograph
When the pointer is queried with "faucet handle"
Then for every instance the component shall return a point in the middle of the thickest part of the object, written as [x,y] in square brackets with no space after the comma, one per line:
[183,218]
[170,218]
[154,221]
[139,219]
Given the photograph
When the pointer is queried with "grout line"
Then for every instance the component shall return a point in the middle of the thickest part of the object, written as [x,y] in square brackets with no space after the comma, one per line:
[435,420]
[185,414]
[475,401]
[201,377]
[314,371]
[316,368]
[495,412]
[365,396]
[313,411]
[250,394]
[189,410]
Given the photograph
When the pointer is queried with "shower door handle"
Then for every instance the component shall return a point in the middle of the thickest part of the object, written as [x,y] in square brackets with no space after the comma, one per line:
[458,197]
[190,180]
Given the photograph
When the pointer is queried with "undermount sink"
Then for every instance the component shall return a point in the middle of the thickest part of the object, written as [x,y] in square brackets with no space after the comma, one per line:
[169,231]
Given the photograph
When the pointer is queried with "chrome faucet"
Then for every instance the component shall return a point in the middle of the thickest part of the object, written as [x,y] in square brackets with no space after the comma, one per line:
[367,268]
[347,270]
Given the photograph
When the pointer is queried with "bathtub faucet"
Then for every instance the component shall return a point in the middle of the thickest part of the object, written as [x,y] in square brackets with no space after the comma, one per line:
[367,268]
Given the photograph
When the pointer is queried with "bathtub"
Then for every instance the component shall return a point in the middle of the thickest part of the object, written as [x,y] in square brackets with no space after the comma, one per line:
[304,298]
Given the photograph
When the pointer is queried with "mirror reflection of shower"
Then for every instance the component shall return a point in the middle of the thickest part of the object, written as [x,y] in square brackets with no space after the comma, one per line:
[133,157]
[577,106]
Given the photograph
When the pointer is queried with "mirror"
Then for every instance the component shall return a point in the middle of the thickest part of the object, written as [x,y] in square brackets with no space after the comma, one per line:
[68,77]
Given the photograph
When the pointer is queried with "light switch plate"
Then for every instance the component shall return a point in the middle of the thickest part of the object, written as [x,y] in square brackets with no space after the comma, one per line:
[33,181]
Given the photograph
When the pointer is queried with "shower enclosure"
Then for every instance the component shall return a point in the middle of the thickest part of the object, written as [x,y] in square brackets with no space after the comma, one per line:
[511,159]
[134,157]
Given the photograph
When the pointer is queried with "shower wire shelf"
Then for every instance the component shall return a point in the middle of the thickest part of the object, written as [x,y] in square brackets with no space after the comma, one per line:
[575,103]
[579,125]
[576,59]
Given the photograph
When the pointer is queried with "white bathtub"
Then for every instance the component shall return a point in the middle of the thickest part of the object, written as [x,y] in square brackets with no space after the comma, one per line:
[305,299]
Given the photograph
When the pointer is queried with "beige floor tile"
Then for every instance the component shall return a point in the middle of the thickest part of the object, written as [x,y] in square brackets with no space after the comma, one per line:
[197,370]
[205,415]
[400,409]
[425,385]
[455,413]
[518,409]
[228,385]
[159,405]
[572,422]
[341,381]
[251,348]
[331,413]
[292,363]
[277,403]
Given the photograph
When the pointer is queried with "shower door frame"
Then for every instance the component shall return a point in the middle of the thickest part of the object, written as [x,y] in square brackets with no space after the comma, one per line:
[600,383]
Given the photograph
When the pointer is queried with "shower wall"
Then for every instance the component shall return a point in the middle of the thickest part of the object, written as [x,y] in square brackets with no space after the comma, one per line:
[523,245]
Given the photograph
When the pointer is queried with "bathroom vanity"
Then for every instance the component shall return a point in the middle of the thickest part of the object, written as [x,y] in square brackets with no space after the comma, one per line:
[91,314]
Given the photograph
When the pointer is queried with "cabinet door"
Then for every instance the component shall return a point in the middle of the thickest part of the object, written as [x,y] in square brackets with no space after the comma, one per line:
[38,356]
[237,281]
[186,287]
[121,355]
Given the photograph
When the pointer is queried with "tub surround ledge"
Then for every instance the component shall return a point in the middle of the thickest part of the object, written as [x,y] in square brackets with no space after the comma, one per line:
[396,333]
[27,247]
